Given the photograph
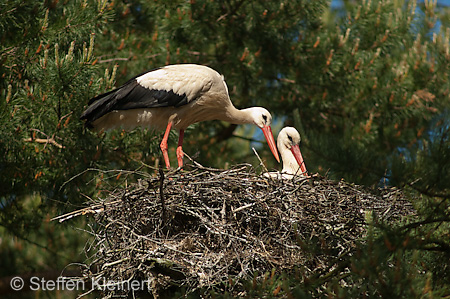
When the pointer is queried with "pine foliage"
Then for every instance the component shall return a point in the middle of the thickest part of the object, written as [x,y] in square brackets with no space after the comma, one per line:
[365,84]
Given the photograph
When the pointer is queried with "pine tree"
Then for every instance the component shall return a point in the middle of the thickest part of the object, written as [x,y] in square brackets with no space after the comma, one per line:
[367,87]
[47,72]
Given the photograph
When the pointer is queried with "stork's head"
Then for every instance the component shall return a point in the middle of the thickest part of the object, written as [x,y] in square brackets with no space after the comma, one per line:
[263,119]
[289,140]
[288,137]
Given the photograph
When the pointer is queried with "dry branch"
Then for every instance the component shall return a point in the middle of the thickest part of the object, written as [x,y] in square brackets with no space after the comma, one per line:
[45,141]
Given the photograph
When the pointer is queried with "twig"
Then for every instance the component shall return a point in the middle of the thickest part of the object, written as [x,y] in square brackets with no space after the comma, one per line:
[50,140]
[89,210]
[115,262]
[244,207]
[260,161]
[113,59]
[161,195]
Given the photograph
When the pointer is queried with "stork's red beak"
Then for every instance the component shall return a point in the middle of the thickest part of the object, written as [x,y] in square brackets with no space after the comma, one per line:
[270,141]
[295,149]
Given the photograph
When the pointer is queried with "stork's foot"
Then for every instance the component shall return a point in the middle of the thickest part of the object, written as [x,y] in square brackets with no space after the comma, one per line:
[165,155]
[180,155]
[164,145]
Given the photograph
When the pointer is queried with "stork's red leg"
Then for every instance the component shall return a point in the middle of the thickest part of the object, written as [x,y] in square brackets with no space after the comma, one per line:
[180,153]
[164,146]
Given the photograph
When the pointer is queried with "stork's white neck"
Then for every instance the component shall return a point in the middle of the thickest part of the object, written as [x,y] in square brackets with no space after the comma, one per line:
[290,165]
[236,116]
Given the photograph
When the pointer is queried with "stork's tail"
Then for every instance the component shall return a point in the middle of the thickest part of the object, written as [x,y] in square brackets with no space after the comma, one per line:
[98,106]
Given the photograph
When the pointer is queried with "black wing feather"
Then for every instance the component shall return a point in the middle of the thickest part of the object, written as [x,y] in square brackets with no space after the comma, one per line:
[131,95]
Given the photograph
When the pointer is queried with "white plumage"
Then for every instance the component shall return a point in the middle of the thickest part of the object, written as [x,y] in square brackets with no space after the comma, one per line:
[288,144]
[187,79]
[173,96]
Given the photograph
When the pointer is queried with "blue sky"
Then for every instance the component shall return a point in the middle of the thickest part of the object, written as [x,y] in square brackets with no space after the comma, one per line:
[338,3]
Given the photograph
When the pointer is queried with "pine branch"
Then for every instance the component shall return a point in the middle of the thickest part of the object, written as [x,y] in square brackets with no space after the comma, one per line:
[424,222]
[50,140]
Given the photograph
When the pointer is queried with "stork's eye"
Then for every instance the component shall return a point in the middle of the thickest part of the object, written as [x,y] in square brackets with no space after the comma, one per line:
[265,118]
[290,139]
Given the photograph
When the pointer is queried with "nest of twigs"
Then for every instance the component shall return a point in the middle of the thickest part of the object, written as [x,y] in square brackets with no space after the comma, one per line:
[209,228]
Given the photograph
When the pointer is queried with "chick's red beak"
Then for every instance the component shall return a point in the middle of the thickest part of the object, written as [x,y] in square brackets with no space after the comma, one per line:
[270,141]
[295,149]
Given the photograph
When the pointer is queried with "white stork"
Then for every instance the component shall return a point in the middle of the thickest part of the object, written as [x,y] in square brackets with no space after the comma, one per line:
[288,144]
[173,96]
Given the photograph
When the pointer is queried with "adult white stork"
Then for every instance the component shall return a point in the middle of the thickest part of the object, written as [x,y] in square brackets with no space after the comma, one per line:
[288,141]
[173,96]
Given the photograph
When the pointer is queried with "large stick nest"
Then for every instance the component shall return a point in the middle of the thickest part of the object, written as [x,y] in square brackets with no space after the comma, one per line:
[208,227]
